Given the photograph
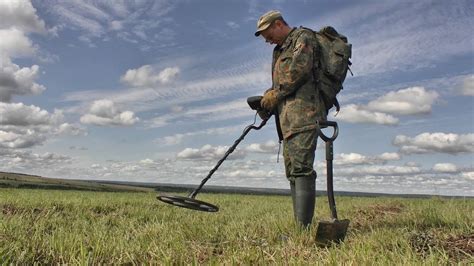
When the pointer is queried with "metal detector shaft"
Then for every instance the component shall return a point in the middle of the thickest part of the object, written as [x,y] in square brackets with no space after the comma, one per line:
[229,151]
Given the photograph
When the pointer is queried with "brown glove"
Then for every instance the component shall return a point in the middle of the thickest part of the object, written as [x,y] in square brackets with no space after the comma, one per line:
[269,101]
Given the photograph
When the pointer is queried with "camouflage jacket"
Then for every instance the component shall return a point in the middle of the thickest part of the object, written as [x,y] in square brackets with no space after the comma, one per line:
[292,74]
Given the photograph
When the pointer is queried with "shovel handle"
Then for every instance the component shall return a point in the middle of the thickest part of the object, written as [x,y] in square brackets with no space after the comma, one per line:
[329,158]
[321,124]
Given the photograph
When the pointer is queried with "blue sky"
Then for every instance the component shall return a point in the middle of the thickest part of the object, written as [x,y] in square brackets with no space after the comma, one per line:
[154,91]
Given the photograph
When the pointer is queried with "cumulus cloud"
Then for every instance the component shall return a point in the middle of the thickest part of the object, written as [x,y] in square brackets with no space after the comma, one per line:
[20,14]
[106,113]
[468,175]
[267,147]
[445,168]
[17,81]
[208,152]
[20,160]
[17,18]
[409,101]
[250,174]
[435,143]
[353,113]
[146,76]
[468,86]
[19,114]
[15,43]
[356,158]
[379,170]
[24,126]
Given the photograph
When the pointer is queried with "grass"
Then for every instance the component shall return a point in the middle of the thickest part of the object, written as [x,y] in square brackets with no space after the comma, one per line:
[83,227]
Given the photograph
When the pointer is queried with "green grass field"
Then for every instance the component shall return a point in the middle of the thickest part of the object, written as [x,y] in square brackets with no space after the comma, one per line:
[82,227]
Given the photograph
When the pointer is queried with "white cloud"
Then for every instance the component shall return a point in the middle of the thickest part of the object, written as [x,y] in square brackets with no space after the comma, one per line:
[389,156]
[409,101]
[195,90]
[71,129]
[24,161]
[250,174]
[17,81]
[20,14]
[24,126]
[213,112]
[106,113]
[171,140]
[353,158]
[468,175]
[18,114]
[468,86]
[220,111]
[381,42]
[445,168]
[378,170]
[357,114]
[147,161]
[15,43]
[435,143]
[20,139]
[146,76]
[267,147]
[168,74]
[208,152]
[127,20]
[179,137]
[232,25]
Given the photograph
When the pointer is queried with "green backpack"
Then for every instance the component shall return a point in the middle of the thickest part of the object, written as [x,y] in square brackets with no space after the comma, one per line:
[332,65]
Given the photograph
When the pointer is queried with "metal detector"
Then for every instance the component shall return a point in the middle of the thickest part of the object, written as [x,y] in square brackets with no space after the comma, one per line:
[189,201]
[333,231]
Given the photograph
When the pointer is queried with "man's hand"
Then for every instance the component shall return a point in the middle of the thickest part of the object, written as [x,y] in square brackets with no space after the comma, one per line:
[269,101]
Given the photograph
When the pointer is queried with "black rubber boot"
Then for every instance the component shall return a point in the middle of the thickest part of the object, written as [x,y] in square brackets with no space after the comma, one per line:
[293,198]
[303,193]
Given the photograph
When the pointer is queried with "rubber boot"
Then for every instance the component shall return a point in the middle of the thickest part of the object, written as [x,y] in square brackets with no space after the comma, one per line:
[303,193]
[293,198]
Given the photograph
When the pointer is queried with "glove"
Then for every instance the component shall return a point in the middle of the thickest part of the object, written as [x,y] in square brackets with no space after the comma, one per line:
[264,115]
[269,101]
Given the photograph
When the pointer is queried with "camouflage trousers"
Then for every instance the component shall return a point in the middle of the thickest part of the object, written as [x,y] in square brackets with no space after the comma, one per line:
[298,154]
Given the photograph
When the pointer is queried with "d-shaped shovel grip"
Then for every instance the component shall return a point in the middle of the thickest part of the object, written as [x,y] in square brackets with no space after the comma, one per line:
[323,124]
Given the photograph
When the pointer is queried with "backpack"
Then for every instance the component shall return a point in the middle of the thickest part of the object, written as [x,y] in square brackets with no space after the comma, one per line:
[332,66]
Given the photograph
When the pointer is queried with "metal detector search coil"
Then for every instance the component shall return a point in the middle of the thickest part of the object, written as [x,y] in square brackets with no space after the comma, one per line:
[189,203]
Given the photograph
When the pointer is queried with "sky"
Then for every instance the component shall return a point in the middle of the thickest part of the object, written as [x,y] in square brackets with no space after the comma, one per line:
[155,91]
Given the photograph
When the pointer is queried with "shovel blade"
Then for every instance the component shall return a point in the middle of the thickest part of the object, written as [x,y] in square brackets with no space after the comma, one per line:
[330,232]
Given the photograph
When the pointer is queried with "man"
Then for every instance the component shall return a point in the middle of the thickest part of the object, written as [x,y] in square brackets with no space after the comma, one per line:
[295,101]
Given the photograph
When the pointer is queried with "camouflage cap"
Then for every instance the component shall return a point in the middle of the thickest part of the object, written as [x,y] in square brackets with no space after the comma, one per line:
[266,20]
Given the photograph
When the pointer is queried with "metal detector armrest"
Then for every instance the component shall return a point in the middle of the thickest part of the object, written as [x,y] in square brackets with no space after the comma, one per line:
[254,102]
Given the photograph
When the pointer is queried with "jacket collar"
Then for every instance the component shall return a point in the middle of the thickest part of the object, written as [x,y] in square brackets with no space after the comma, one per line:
[288,39]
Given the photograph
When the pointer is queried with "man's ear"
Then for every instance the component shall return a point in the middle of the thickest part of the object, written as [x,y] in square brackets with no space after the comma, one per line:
[278,23]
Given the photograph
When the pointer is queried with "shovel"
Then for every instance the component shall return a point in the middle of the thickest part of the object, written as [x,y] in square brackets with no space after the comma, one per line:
[334,230]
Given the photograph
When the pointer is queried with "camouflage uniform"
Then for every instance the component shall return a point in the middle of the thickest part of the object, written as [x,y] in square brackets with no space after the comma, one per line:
[299,102]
